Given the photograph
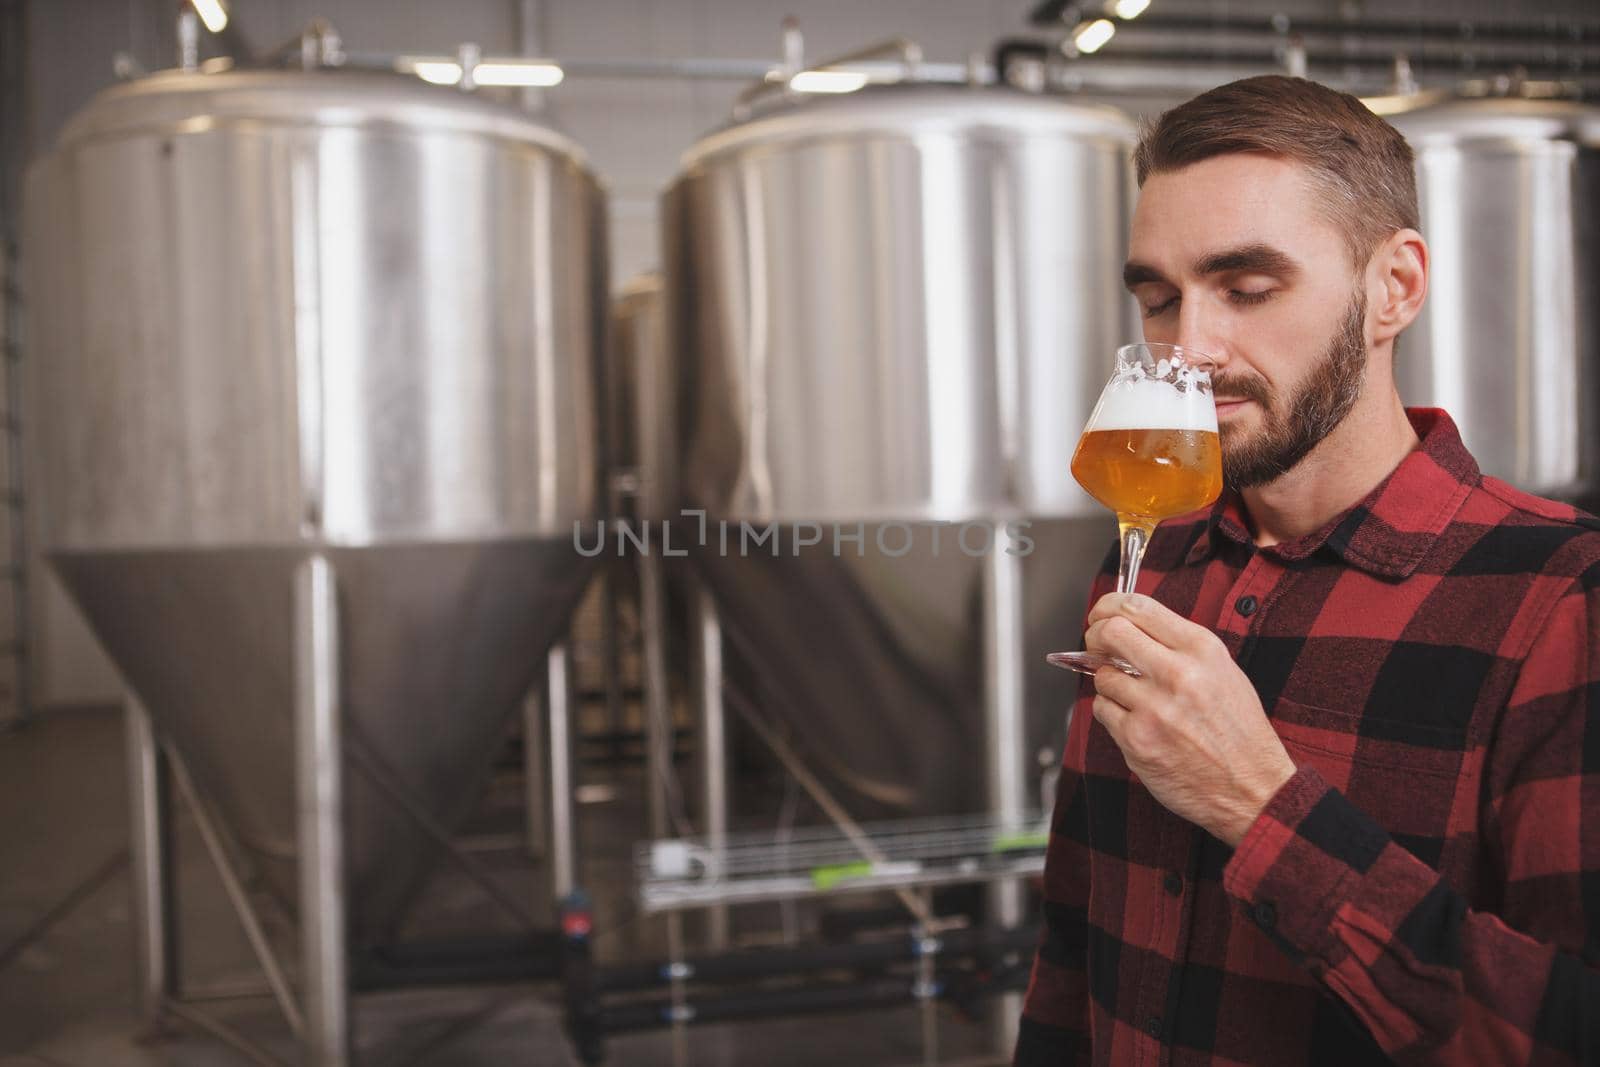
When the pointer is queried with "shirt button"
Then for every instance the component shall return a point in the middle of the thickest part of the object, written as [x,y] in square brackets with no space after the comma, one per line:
[1246,606]
[1173,883]
[1266,915]
[1152,1026]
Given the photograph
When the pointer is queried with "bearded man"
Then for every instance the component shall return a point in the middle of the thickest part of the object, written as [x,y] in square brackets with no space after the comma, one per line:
[1349,810]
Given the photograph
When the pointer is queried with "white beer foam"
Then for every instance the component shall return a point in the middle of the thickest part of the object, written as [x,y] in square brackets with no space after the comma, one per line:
[1150,404]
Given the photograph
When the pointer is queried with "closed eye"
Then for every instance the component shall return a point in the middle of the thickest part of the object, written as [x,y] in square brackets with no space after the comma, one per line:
[1151,311]
[1260,296]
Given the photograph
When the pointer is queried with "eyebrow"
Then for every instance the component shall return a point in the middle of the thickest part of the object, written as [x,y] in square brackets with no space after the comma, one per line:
[1258,258]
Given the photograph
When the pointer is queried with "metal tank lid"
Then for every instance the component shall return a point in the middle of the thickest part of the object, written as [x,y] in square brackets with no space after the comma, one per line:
[1458,119]
[342,97]
[917,107]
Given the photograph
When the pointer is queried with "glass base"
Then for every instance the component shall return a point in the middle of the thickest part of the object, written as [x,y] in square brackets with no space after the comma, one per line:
[1089,662]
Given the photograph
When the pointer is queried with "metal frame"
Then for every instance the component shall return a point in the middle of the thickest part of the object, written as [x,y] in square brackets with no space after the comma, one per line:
[713,746]
[1006,744]
[320,1017]
[563,852]
[319,795]
[1005,721]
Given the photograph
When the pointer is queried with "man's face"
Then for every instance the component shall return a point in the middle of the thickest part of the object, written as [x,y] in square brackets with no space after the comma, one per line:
[1230,256]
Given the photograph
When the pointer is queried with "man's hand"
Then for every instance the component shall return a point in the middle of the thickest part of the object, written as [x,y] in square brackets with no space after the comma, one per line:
[1192,728]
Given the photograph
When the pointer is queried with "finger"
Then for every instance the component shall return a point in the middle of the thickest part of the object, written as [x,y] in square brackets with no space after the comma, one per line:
[1108,712]
[1121,637]
[1157,620]
[1106,607]
[1124,690]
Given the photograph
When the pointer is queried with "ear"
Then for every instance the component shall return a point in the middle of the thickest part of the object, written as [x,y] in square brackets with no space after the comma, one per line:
[1397,282]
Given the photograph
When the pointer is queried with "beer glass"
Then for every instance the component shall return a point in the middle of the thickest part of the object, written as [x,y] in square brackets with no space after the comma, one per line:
[1149,452]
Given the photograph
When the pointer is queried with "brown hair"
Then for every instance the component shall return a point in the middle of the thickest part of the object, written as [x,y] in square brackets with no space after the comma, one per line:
[1360,163]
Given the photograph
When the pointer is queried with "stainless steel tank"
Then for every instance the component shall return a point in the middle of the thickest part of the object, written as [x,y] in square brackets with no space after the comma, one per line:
[895,308]
[1507,340]
[644,430]
[336,312]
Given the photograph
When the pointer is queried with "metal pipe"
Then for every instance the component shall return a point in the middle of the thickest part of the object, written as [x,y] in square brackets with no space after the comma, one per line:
[318,45]
[794,48]
[907,51]
[659,737]
[1005,736]
[713,747]
[1295,57]
[563,829]
[1566,31]
[647,1015]
[768,962]
[468,56]
[529,19]
[855,996]
[319,791]
[155,920]
[677,993]
[238,896]
[1269,59]
[488,960]
[188,39]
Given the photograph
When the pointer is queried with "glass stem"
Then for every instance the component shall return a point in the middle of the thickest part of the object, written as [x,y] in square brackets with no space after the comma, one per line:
[1134,540]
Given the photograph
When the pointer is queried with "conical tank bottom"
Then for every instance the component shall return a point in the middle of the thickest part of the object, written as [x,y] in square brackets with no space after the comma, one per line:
[874,662]
[439,643]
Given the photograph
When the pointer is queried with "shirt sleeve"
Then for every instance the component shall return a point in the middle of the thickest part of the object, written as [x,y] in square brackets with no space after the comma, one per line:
[1433,980]
[1055,1012]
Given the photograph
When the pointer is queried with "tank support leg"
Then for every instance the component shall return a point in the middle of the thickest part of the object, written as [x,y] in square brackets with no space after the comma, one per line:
[155,925]
[563,815]
[713,748]
[1005,734]
[319,772]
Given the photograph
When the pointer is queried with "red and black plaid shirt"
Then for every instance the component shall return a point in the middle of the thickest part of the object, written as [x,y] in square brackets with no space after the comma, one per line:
[1426,888]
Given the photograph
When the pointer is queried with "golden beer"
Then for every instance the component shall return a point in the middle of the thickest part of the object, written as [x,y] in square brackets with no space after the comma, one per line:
[1150,452]
[1146,476]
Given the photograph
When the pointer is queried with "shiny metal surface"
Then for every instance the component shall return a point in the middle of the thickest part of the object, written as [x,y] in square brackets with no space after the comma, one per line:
[150,866]
[1510,198]
[897,305]
[340,306]
[904,298]
[285,314]
[319,807]
[562,777]
[644,452]
[644,397]
[715,770]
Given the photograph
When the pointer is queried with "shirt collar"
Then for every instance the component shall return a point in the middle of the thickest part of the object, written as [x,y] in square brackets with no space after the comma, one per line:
[1391,530]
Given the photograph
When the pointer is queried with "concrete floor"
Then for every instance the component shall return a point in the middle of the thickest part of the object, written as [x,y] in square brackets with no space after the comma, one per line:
[66,972]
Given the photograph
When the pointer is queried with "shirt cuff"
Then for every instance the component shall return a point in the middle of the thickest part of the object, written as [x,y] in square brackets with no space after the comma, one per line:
[1299,861]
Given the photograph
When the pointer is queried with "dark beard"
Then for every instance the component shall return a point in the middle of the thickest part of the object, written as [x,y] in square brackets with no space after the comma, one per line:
[1316,410]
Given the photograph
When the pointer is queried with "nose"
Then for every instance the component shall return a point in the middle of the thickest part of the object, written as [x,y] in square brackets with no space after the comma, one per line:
[1200,332]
